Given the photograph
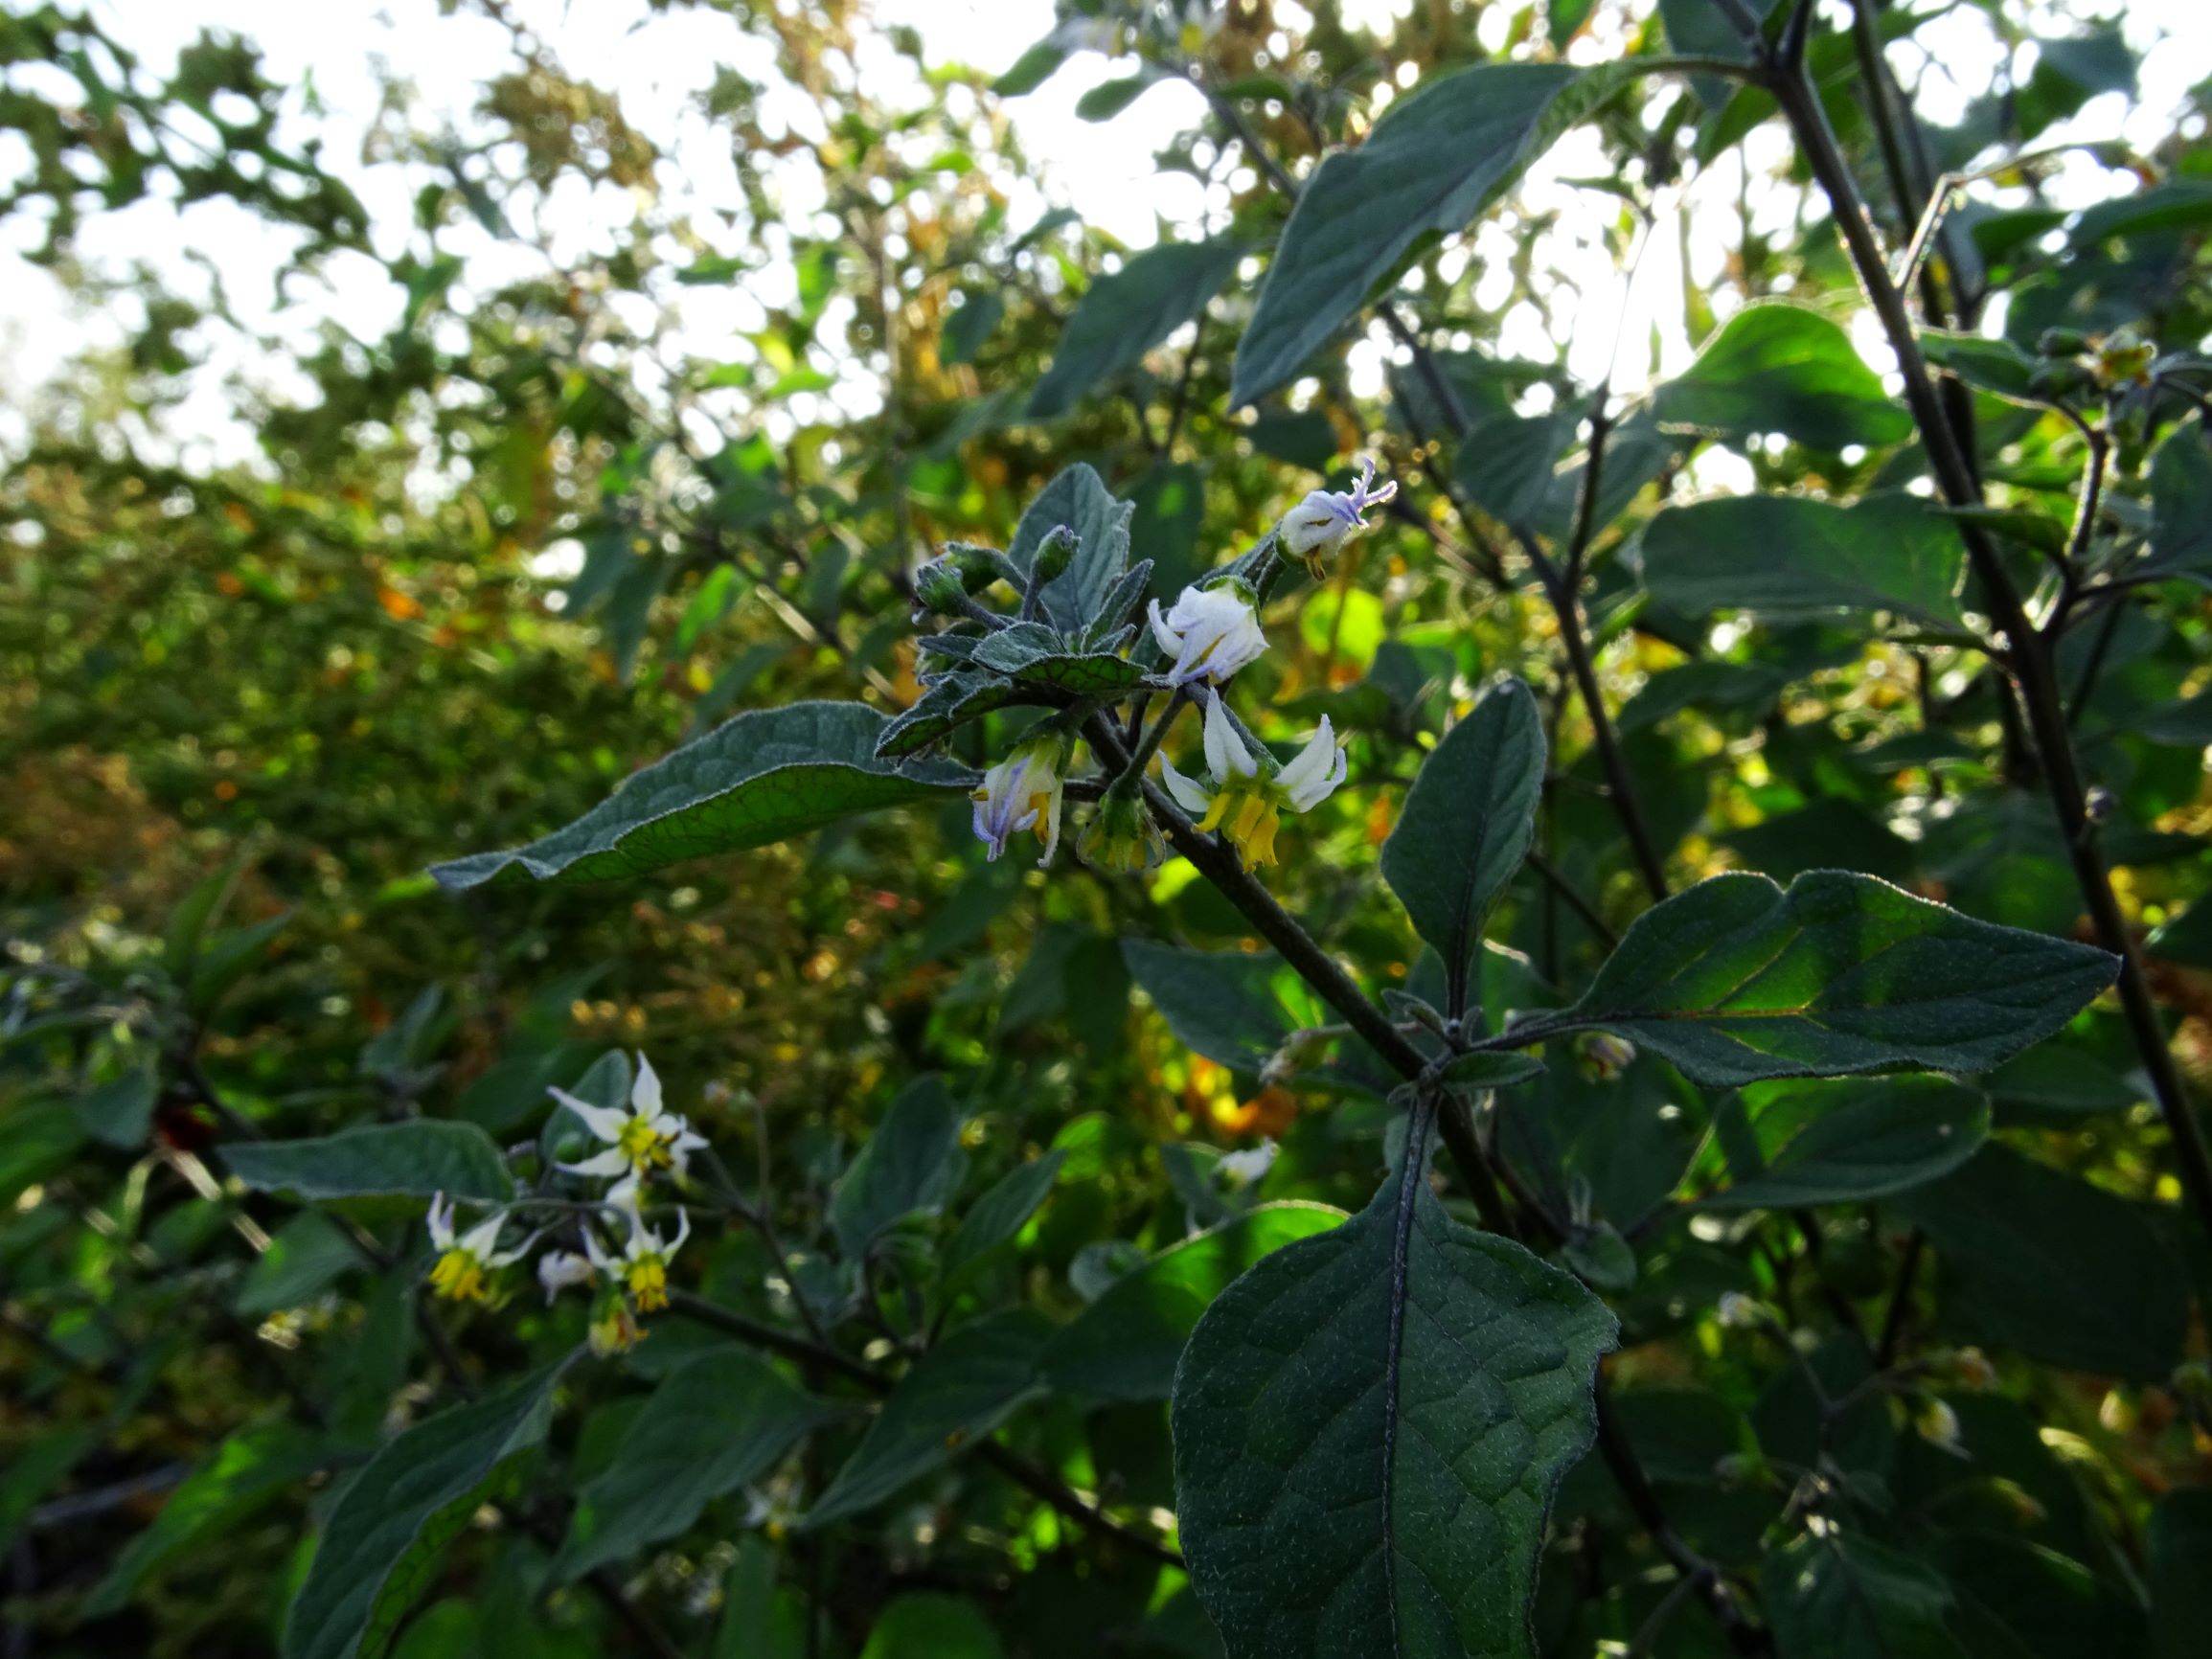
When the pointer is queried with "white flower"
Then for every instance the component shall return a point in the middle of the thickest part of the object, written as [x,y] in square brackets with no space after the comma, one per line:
[1244,1168]
[1938,1424]
[1318,525]
[1737,1311]
[642,1267]
[1241,802]
[639,1140]
[465,1264]
[1022,792]
[1210,633]
[559,1270]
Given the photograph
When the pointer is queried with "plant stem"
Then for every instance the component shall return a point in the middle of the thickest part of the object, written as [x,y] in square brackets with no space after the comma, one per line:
[2028,652]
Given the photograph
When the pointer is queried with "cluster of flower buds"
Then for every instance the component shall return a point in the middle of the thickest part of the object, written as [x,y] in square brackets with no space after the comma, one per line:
[624,1264]
[1210,633]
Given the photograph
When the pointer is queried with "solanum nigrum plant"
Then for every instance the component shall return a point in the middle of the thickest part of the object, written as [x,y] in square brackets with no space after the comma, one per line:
[1342,992]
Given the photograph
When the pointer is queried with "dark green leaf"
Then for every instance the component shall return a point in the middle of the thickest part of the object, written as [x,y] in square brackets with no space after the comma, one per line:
[933,1626]
[120,1111]
[995,1218]
[384,1539]
[1997,366]
[957,1392]
[1841,1596]
[950,702]
[2187,939]
[1124,1345]
[1508,463]
[1222,1004]
[1855,1141]
[36,1469]
[414,1159]
[713,1424]
[1737,979]
[908,1166]
[248,1471]
[1031,654]
[1563,20]
[967,330]
[1369,1427]
[1109,98]
[304,1260]
[763,777]
[1702,686]
[1490,1069]
[2181,507]
[1779,368]
[1030,71]
[2058,1270]
[1436,159]
[1077,499]
[2179,1542]
[1123,315]
[1466,826]
[1790,556]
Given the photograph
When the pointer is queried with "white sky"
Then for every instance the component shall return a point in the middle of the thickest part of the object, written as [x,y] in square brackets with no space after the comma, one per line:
[1104,171]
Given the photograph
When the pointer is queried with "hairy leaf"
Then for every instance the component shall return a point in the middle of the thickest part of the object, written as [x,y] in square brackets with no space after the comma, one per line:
[1369,1427]
[761,776]
[1738,979]
[995,1218]
[1841,1596]
[2181,507]
[414,1159]
[1466,826]
[1846,1141]
[1077,499]
[1222,1004]
[911,1164]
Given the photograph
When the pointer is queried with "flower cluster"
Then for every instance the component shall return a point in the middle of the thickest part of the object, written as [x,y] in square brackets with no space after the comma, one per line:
[1210,633]
[623,1262]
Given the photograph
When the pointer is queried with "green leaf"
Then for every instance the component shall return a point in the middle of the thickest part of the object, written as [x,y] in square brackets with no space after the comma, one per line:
[2187,939]
[247,1473]
[40,1140]
[763,777]
[2060,1270]
[1995,366]
[1222,1004]
[120,1112]
[1369,1427]
[1466,826]
[994,1218]
[1077,499]
[949,703]
[1563,19]
[1841,1596]
[1790,556]
[969,329]
[1109,98]
[1703,686]
[957,1392]
[713,1424]
[2177,1543]
[1124,1345]
[1508,465]
[1123,315]
[908,1166]
[414,1159]
[1776,367]
[1737,979]
[385,1535]
[1847,1142]
[1435,160]
[931,1626]
[2181,507]
[1030,71]
[304,1259]
[34,1470]
[1032,654]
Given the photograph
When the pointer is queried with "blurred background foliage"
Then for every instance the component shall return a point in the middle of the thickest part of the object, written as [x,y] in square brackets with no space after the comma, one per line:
[476,569]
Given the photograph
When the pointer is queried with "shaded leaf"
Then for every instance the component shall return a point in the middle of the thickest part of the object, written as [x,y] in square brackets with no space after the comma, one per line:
[1124,1345]
[1123,315]
[713,1424]
[1790,556]
[908,1166]
[1776,367]
[1847,1142]
[957,1392]
[1222,1004]
[1841,1596]
[414,1159]
[1466,826]
[761,776]
[1738,979]
[2181,507]
[1437,158]
[995,1218]
[1077,499]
